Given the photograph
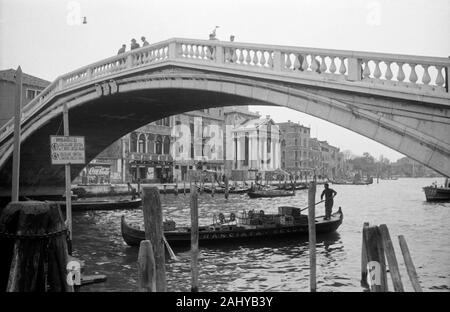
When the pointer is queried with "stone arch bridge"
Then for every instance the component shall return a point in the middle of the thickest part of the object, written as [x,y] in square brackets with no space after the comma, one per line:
[400,101]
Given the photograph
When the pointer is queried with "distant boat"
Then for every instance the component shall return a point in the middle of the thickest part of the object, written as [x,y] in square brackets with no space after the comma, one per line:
[229,233]
[435,193]
[270,193]
[105,204]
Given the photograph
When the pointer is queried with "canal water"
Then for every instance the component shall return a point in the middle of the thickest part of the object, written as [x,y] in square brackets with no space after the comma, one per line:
[280,265]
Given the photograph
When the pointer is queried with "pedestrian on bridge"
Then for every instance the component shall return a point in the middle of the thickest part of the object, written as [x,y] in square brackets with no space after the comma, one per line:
[122,49]
[134,44]
[144,42]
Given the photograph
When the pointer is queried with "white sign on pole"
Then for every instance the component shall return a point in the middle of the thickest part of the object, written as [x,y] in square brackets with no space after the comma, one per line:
[67,150]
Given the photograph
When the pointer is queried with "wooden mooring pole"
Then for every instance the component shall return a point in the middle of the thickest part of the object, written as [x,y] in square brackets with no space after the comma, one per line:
[194,240]
[391,258]
[33,248]
[16,151]
[146,267]
[375,260]
[312,235]
[364,257]
[410,268]
[153,222]
[227,188]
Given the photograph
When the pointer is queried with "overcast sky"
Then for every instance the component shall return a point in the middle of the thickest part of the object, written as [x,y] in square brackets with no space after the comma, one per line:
[47,38]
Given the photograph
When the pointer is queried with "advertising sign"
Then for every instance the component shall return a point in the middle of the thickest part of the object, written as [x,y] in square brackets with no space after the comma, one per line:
[67,150]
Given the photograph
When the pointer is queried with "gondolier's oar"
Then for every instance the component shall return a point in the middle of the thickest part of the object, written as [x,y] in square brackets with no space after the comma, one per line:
[314,205]
[172,254]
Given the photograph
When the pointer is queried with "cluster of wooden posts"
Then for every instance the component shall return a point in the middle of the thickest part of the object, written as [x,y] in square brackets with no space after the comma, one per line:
[376,248]
[151,257]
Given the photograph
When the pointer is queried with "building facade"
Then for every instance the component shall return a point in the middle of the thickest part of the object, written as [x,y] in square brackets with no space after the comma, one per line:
[31,87]
[295,149]
[256,145]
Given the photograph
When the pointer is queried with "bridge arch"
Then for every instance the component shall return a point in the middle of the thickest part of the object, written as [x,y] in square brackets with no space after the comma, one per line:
[106,108]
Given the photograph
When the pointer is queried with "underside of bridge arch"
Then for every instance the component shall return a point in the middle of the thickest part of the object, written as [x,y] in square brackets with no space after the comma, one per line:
[106,111]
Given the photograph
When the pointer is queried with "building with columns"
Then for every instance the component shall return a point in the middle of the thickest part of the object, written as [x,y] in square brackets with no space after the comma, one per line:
[256,145]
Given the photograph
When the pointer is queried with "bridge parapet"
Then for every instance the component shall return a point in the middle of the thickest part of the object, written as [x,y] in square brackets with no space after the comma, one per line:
[405,73]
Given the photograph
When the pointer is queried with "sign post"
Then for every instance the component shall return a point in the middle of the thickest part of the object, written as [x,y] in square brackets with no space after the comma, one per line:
[67,150]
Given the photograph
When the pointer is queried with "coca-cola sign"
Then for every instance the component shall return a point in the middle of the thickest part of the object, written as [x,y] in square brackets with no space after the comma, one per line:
[99,170]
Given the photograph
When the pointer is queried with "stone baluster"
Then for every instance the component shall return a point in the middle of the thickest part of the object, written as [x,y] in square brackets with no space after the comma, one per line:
[342,68]
[158,55]
[366,71]
[426,76]
[228,55]
[202,53]
[297,63]
[401,73]
[255,58]
[288,62]
[332,65]
[377,72]
[234,57]
[440,81]
[314,66]
[197,52]
[388,75]
[248,59]
[305,64]
[262,60]
[413,76]
[241,56]
[209,51]
[270,60]
[191,51]
[323,65]
[163,54]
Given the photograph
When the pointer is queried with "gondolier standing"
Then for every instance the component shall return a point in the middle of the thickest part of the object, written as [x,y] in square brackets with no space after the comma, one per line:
[329,195]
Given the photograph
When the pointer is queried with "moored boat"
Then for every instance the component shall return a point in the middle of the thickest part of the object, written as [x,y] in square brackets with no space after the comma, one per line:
[260,227]
[270,193]
[435,193]
[105,204]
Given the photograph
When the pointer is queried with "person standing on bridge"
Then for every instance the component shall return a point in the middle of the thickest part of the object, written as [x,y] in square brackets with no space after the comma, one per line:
[134,44]
[122,49]
[329,195]
[144,42]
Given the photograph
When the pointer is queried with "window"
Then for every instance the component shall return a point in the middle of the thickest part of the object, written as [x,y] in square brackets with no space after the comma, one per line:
[283,154]
[133,142]
[151,144]
[141,146]
[296,142]
[158,145]
[31,94]
[167,145]
[296,155]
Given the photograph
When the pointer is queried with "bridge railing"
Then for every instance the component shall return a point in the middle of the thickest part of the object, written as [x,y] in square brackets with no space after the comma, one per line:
[428,75]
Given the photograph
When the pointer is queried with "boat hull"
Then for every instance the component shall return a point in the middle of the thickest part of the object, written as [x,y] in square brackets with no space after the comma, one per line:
[437,193]
[270,194]
[133,236]
[85,205]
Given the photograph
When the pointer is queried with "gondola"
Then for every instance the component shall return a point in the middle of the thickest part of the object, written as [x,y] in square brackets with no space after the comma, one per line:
[105,204]
[233,233]
[270,193]
[232,190]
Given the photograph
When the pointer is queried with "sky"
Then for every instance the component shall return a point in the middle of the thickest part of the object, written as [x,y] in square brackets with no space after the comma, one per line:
[47,39]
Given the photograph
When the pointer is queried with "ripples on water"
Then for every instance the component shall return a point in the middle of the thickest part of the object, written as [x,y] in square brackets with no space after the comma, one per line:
[280,265]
